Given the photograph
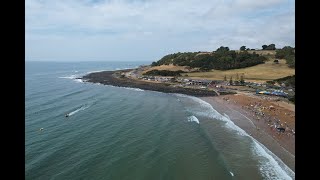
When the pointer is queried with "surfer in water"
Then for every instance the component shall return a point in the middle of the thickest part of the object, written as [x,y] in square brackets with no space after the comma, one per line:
[67,115]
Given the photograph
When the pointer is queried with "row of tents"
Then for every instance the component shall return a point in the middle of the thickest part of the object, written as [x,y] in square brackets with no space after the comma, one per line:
[276,93]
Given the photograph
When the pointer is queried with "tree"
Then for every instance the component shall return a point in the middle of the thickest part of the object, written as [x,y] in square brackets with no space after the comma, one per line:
[242,48]
[230,81]
[285,51]
[291,60]
[288,54]
[222,49]
[225,78]
[271,47]
[264,47]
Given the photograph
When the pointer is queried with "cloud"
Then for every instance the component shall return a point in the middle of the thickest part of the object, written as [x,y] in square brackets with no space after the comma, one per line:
[147,30]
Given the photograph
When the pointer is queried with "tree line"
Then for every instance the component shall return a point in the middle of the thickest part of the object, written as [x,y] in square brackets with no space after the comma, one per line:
[163,73]
[222,59]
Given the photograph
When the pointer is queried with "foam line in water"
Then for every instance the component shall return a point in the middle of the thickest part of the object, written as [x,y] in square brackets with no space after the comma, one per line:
[231,173]
[89,72]
[69,77]
[274,168]
[79,109]
[193,119]
[135,89]
[74,77]
[273,161]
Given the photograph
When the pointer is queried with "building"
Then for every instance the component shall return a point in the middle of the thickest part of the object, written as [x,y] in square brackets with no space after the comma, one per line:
[200,82]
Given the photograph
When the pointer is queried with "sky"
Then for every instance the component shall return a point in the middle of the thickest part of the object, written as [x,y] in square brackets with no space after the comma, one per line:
[146,30]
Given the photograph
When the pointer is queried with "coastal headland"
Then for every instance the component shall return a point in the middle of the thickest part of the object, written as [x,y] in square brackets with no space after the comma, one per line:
[114,78]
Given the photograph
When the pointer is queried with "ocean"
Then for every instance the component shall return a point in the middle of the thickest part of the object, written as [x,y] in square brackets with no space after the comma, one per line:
[126,133]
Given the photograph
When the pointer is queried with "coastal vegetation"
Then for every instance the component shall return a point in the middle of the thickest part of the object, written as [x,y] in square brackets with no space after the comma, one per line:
[288,81]
[269,47]
[287,53]
[255,65]
[221,59]
[163,73]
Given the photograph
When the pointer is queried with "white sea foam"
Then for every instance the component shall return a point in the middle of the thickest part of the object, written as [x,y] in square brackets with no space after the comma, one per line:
[69,77]
[193,119]
[73,77]
[95,71]
[79,109]
[79,80]
[231,173]
[135,89]
[274,168]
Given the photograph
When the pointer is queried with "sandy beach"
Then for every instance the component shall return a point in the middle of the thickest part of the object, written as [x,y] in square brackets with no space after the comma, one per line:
[255,114]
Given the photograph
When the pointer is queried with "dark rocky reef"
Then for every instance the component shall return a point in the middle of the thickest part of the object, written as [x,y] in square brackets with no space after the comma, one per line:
[115,79]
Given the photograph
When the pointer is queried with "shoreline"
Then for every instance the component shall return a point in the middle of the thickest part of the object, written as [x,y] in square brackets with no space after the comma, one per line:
[235,106]
[240,118]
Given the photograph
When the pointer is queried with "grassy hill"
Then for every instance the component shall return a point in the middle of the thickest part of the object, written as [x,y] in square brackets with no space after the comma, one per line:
[253,70]
[259,73]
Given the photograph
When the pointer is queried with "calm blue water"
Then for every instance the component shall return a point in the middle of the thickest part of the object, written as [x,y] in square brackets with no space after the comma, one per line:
[124,133]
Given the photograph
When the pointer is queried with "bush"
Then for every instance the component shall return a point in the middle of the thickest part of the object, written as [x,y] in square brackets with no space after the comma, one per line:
[293,99]
[288,54]
[163,73]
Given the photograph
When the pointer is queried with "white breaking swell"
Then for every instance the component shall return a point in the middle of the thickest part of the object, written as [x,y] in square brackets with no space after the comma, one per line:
[134,89]
[193,119]
[274,169]
[74,77]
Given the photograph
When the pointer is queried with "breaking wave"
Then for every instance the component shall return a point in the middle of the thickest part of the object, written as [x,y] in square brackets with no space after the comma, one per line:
[135,89]
[193,119]
[73,77]
[274,168]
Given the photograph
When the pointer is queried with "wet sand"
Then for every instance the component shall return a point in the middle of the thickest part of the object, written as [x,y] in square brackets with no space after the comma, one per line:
[281,144]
